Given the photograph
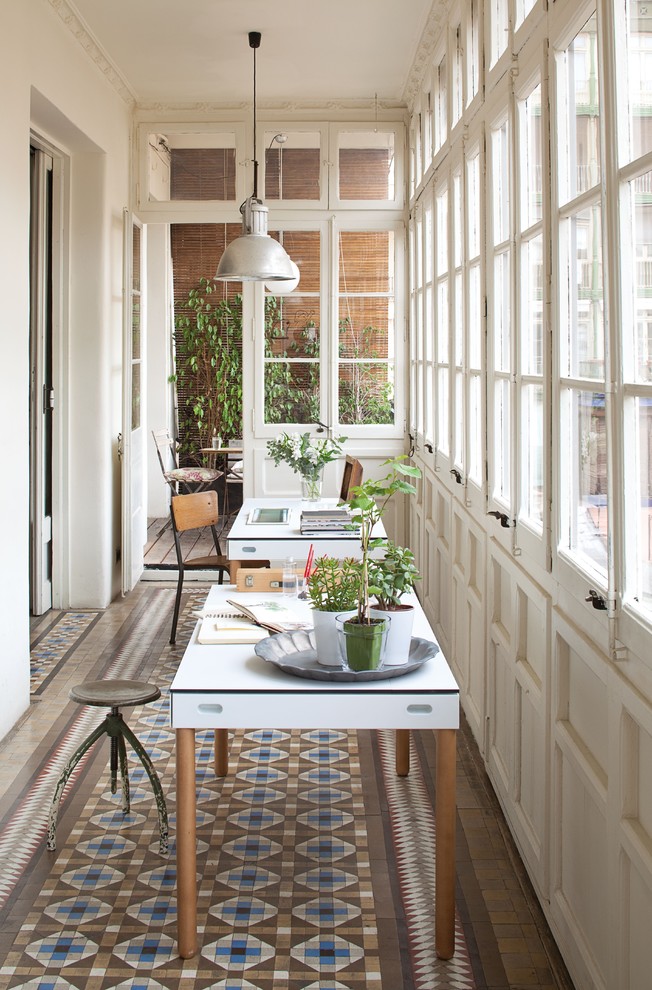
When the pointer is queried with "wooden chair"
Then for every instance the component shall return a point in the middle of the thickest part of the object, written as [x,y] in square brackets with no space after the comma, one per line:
[352,476]
[181,479]
[197,511]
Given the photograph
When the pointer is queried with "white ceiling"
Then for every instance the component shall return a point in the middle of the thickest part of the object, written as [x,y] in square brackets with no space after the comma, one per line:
[189,51]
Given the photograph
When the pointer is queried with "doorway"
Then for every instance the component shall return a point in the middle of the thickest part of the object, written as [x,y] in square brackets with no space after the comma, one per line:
[41,381]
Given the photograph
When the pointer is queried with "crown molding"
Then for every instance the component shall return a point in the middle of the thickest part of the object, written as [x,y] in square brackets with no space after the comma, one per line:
[430,38]
[84,37]
[279,107]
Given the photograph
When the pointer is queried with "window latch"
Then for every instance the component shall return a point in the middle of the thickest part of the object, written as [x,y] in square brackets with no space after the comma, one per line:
[457,475]
[502,516]
[598,601]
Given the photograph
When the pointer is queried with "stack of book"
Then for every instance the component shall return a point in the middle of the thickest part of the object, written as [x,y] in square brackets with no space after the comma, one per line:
[327,522]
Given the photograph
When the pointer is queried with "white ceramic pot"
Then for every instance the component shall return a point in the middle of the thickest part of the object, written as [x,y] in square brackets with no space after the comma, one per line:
[326,642]
[400,633]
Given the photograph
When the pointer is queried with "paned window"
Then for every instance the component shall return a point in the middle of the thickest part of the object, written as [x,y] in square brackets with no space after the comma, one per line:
[441,104]
[472,51]
[292,165]
[501,315]
[442,322]
[293,337]
[582,415]
[499,27]
[196,166]
[637,346]
[638,74]
[531,282]
[366,327]
[457,76]
[136,348]
[366,165]
[474,318]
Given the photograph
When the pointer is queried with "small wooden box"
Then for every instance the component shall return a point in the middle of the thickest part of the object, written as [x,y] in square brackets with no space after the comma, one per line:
[259,579]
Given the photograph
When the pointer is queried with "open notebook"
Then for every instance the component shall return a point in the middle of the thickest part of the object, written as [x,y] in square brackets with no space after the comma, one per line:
[229,626]
[238,622]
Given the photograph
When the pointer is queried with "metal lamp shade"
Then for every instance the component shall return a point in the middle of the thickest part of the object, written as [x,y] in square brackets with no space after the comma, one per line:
[255,256]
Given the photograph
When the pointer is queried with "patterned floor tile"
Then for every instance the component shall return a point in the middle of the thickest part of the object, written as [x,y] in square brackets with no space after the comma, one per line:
[327,954]
[61,949]
[326,912]
[325,848]
[92,877]
[78,910]
[238,952]
[238,911]
[147,950]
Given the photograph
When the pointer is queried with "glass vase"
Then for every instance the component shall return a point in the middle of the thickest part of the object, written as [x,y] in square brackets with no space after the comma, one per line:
[311,487]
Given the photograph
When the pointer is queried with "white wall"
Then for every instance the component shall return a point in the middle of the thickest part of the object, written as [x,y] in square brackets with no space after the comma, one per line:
[50,83]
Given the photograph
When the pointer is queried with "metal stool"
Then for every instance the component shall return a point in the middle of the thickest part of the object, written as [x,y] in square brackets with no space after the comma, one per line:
[114,694]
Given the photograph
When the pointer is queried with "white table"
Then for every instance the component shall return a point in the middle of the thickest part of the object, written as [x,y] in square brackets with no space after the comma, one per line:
[229,687]
[275,542]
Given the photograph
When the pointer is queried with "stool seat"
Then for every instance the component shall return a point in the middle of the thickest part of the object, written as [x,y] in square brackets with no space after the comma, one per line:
[114,694]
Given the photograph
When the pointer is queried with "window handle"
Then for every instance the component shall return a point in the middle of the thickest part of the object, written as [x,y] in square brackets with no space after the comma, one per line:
[457,475]
[598,601]
[504,518]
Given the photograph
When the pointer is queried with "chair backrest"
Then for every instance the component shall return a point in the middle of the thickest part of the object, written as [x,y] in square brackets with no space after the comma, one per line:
[194,511]
[352,476]
[165,450]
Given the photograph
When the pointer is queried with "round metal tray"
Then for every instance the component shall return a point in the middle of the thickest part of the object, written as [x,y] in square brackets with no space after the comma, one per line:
[295,653]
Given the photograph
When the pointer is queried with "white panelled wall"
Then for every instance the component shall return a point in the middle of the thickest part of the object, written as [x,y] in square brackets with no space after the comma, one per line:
[566,735]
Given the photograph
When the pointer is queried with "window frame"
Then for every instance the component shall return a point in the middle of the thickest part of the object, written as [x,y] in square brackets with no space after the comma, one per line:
[366,127]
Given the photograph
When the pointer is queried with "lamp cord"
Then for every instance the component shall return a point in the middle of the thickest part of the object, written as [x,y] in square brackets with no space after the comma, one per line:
[255,157]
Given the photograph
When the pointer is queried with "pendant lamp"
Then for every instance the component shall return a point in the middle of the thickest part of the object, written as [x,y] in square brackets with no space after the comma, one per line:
[255,256]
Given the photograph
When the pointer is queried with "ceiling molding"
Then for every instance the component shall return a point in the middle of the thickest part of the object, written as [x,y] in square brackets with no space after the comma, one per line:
[83,36]
[290,107]
[430,38]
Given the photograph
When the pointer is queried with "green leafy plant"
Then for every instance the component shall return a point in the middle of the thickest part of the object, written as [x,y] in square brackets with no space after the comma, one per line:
[334,584]
[393,575]
[209,367]
[291,386]
[305,455]
[366,396]
[368,503]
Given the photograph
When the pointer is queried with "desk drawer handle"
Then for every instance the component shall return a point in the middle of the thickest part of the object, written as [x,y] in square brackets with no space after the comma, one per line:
[210,709]
[249,549]
[419,709]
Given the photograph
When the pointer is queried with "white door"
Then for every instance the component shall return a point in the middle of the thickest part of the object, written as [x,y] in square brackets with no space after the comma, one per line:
[134,514]
[41,391]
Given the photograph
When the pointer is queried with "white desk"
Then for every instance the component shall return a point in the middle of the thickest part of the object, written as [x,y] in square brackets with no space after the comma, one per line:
[229,687]
[271,542]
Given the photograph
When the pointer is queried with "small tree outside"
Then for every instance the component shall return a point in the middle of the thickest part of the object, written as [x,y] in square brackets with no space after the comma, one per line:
[209,368]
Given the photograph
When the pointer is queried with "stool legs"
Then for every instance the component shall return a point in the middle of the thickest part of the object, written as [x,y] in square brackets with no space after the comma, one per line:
[116,728]
[161,806]
[65,777]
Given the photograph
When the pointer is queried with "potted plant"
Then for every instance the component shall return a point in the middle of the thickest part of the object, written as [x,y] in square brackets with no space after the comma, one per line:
[364,634]
[392,576]
[333,587]
[306,456]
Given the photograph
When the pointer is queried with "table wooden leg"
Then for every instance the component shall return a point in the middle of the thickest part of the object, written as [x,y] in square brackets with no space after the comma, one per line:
[186,844]
[402,752]
[221,752]
[445,839]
